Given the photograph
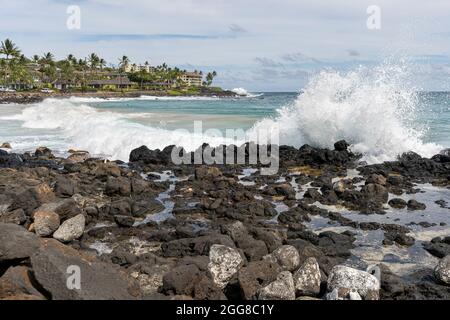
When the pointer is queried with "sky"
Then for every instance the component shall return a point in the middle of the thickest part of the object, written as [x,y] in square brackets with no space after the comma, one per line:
[260,45]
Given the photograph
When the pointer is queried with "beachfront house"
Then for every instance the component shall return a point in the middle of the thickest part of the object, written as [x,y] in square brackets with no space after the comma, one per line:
[131,68]
[65,84]
[192,79]
[115,83]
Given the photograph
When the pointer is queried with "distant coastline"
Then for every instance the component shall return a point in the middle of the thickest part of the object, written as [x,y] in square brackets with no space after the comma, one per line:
[26,97]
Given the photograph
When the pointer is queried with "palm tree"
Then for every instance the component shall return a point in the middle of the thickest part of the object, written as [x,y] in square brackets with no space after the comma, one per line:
[123,62]
[19,72]
[71,59]
[47,58]
[93,60]
[210,77]
[102,64]
[9,49]
[3,70]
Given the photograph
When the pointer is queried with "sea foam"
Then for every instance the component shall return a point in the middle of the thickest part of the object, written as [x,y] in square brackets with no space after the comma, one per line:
[105,133]
[374,109]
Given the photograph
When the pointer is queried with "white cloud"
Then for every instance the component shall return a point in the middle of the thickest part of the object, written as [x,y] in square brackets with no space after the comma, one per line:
[281,32]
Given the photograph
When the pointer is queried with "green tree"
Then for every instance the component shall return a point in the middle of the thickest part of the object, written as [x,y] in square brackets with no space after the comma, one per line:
[102,63]
[71,59]
[47,58]
[9,49]
[210,77]
[123,62]
[19,72]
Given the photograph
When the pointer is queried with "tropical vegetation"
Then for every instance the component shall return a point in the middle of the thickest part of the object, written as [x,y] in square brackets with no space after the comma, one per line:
[39,71]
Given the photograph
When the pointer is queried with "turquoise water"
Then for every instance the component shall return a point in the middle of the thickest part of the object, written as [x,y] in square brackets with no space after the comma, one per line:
[435,114]
[114,127]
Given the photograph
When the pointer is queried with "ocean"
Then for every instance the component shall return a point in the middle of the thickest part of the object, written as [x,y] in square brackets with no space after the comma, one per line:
[380,120]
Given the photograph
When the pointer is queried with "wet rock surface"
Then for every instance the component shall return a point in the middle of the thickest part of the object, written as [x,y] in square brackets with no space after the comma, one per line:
[151,229]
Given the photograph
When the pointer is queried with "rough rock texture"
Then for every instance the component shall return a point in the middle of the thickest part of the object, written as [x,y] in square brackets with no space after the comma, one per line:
[71,229]
[99,281]
[281,289]
[442,270]
[16,242]
[307,278]
[200,206]
[255,275]
[45,223]
[287,257]
[194,246]
[224,263]
[415,205]
[17,284]
[345,279]
[397,203]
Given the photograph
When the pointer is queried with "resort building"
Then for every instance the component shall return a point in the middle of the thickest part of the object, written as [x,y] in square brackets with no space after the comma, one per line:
[137,68]
[116,83]
[192,79]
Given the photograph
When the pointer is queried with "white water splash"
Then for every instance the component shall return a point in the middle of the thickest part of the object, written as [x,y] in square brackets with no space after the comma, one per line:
[106,133]
[372,108]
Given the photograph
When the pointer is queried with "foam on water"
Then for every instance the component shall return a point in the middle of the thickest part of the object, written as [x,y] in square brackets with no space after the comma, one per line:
[375,109]
[244,93]
[372,108]
[103,132]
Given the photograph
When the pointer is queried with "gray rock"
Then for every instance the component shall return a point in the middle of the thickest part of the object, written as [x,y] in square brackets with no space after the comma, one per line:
[43,152]
[71,229]
[78,156]
[54,266]
[64,187]
[194,246]
[415,205]
[345,280]
[307,278]
[285,190]
[377,179]
[286,256]
[45,223]
[225,262]
[442,270]
[16,242]
[235,230]
[181,280]
[397,203]
[375,192]
[17,217]
[207,172]
[16,283]
[353,295]
[256,275]
[6,145]
[281,289]
[339,186]
[124,221]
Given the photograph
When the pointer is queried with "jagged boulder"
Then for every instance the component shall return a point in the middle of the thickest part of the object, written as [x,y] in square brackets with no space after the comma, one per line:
[224,263]
[342,280]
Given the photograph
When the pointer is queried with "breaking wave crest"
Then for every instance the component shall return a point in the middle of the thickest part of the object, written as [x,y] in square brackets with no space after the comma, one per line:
[375,109]
[105,133]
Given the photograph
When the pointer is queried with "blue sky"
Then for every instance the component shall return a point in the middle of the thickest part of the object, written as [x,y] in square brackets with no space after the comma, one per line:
[261,45]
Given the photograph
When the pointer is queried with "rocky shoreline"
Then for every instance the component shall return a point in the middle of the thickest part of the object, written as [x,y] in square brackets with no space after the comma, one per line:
[36,97]
[149,229]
